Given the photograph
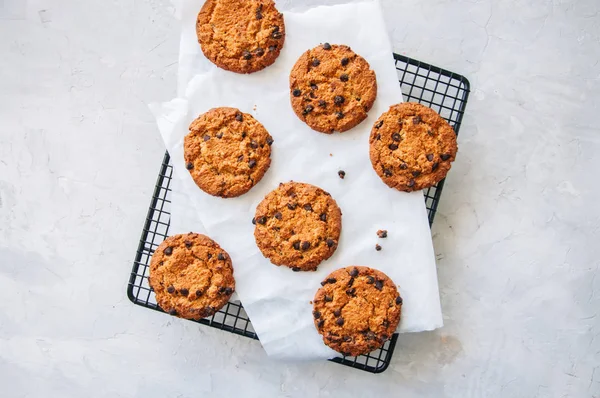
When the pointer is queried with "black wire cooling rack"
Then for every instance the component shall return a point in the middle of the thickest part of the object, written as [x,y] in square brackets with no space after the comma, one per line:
[444,91]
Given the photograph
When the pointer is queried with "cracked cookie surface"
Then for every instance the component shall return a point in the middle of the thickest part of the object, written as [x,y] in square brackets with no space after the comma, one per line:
[411,147]
[297,225]
[240,36]
[332,88]
[191,275]
[356,310]
[227,152]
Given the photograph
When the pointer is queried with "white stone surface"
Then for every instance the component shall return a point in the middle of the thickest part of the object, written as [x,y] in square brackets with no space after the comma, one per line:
[516,236]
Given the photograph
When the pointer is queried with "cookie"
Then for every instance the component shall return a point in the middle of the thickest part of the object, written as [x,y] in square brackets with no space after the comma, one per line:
[240,36]
[227,152]
[191,275]
[297,225]
[356,310]
[332,88]
[412,147]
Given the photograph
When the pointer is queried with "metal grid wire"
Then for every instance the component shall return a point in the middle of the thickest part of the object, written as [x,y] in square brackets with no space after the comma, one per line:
[441,90]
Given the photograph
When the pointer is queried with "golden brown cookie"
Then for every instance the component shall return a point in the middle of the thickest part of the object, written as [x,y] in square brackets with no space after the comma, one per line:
[191,275]
[356,310]
[242,36]
[332,88]
[297,225]
[412,147]
[227,152]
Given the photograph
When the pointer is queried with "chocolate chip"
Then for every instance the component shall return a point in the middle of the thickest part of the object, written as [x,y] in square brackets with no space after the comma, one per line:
[330,242]
[322,103]
[188,244]
[171,289]
[351,291]
[261,220]
[189,166]
[296,93]
[430,157]
[340,115]
[239,117]
[206,137]
[291,206]
[313,86]
[259,15]
[316,314]
[385,323]
[252,163]
[411,183]
[307,110]
[393,147]
[184,292]
[305,245]
[378,137]
[387,172]
[377,247]
[370,279]
[275,28]
[253,144]
[370,335]
[379,124]
[253,220]
[320,323]
[244,134]
[326,46]
[378,284]
[434,166]
[168,251]
[347,338]
[445,156]
[221,257]
[278,215]
[337,312]
[225,290]
[340,321]
[399,300]
[277,35]
[272,48]
[198,293]
[396,137]
[338,99]
[312,95]
[416,120]
[382,233]
[430,133]
[328,299]
[342,174]
[328,280]
[344,77]
[416,173]
[270,140]
[316,62]
[323,217]
[354,272]
[296,269]
[240,158]
[209,256]
[247,55]
[345,61]
[403,166]
[173,312]
[307,207]
[220,135]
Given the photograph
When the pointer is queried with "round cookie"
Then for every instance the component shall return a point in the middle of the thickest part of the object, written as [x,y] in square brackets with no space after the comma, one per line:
[240,36]
[412,147]
[297,225]
[332,88]
[191,275]
[356,310]
[227,152]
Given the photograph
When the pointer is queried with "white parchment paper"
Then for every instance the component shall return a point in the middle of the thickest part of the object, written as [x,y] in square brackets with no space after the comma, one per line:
[275,298]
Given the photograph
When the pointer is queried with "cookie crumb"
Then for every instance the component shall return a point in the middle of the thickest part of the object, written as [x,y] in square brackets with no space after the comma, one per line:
[331,154]
[254,108]
[382,233]
[377,247]
[342,174]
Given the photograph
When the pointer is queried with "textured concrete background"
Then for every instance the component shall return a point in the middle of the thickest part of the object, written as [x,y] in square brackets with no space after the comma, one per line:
[516,235]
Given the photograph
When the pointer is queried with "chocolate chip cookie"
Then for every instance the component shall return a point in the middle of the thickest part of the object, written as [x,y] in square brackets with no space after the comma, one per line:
[191,275]
[227,152]
[240,36]
[356,310]
[332,88]
[412,147]
[297,225]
